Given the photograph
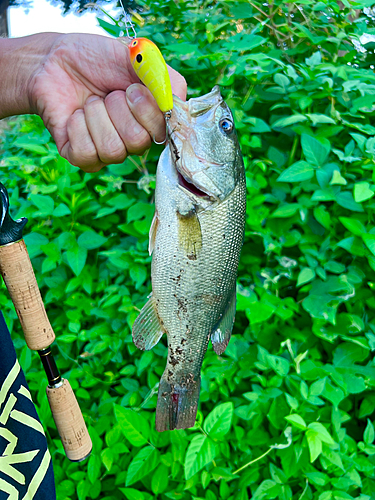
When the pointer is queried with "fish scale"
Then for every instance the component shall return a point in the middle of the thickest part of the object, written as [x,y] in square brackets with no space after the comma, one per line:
[196,239]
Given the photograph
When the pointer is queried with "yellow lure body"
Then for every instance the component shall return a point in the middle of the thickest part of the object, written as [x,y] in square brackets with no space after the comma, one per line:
[151,69]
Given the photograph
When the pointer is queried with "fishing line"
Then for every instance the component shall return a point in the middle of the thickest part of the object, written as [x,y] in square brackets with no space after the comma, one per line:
[129,25]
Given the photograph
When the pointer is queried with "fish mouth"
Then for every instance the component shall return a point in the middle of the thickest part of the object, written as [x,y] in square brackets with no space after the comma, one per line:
[189,186]
[184,179]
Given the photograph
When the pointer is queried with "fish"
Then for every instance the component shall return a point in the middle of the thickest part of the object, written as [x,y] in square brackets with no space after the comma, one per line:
[195,241]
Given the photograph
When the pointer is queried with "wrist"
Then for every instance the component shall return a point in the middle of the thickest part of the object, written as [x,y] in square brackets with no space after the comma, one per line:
[20,58]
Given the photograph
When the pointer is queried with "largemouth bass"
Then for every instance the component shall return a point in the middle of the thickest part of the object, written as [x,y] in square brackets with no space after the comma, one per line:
[196,238]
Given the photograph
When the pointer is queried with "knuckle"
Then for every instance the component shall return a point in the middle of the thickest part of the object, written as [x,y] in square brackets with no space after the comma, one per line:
[114,97]
[112,150]
[139,142]
[94,104]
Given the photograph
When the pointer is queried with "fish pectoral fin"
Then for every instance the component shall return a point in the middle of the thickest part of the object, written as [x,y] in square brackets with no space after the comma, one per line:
[152,234]
[147,330]
[221,335]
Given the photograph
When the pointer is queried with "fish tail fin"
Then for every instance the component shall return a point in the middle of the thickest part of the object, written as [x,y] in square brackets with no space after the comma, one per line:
[177,405]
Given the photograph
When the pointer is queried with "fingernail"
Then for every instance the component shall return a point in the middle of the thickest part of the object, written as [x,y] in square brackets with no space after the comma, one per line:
[92,98]
[134,94]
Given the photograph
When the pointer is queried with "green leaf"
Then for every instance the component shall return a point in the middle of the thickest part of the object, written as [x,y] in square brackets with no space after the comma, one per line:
[367,406]
[257,126]
[29,146]
[288,121]
[296,420]
[201,451]
[315,444]
[318,478]
[61,210]
[181,48]
[287,210]
[34,241]
[315,151]
[322,216]
[112,29]
[369,434]
[353,225]
[93,468]
[318,118]
[267,489]
[91,240]
[362,192]
[76,258]
[107,457]
[160,479]
[44,203]
[345,199]
[132,494]
[369,240]
[322,432]
[305,276]
[338,179]
[219,420]
[298,172]
[138,274]
[133,425]
[142,464]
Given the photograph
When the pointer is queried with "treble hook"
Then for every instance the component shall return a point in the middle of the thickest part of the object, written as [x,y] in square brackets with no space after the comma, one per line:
[167,116]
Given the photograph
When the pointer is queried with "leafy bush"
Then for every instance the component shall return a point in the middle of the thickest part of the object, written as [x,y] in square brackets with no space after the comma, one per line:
[287,412]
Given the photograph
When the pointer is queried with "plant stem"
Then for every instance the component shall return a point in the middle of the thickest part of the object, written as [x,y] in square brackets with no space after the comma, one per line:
[294,149]
[252,462]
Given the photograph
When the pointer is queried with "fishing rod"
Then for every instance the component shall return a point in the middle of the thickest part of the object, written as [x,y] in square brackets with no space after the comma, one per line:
[18,274]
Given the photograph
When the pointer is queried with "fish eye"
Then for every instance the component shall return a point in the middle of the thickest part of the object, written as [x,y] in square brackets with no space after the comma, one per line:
[226,125]
[139,58]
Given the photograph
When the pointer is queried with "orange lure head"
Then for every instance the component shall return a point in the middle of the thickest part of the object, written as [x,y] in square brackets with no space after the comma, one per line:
[150,67]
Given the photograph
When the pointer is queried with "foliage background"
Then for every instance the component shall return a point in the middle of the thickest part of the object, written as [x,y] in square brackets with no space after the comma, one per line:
[294,394]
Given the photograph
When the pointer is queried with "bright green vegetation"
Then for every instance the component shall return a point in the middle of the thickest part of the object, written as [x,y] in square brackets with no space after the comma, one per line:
[294,394]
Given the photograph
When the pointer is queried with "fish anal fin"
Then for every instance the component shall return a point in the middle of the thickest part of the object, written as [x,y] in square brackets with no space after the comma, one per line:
[152,234]
[221,335]
[147,330]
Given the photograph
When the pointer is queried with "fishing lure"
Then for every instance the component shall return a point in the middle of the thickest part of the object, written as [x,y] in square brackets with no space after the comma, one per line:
[151,69]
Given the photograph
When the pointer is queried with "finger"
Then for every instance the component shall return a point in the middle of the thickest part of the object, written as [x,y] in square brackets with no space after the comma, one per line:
[134,136]
[178,82]
[107,141]
[145,110]
[80,150]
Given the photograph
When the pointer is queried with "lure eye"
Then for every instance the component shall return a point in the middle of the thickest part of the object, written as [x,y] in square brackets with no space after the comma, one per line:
[134,43]
[226,125]
[139,58]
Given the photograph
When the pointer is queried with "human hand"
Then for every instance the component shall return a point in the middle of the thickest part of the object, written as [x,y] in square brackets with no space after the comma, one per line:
[90,99]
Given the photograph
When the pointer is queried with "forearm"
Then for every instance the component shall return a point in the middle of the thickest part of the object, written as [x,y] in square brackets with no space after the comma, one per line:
[19,59]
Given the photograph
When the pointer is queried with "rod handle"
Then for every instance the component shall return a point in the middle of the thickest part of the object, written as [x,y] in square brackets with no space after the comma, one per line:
[19,277]
[69,422]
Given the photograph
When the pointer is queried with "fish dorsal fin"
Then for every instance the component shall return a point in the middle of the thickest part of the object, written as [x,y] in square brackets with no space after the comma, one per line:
[221,335]
[147,330]
[152,234]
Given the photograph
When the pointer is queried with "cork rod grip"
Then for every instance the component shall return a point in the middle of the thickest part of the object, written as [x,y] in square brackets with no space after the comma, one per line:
[19,277]
[69,422]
